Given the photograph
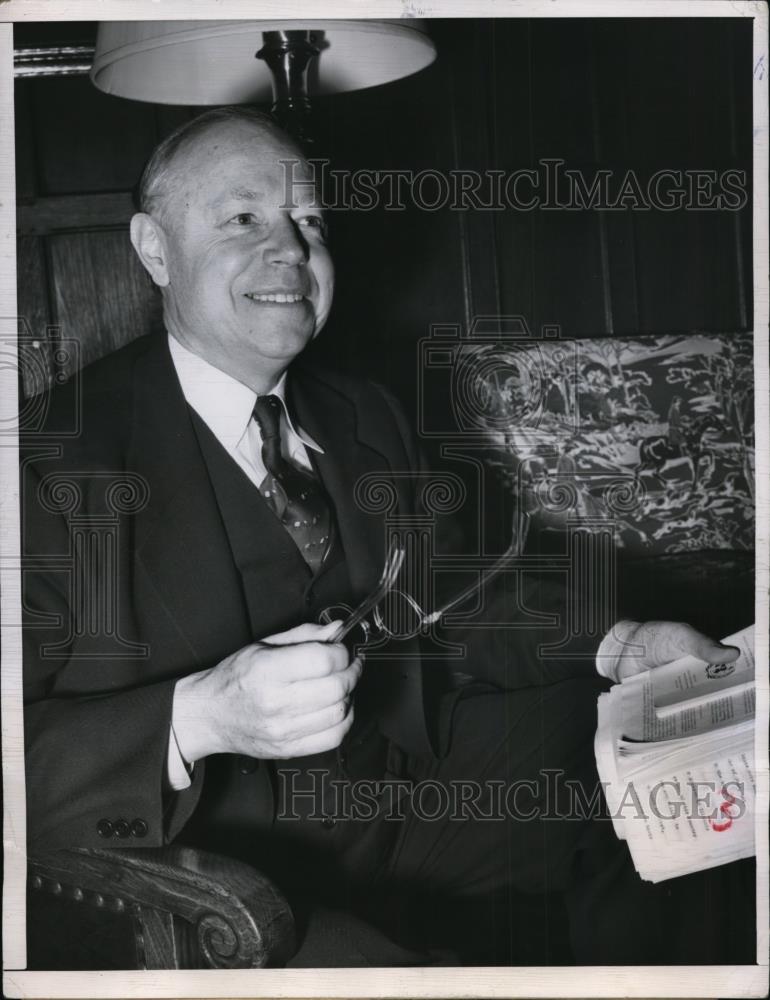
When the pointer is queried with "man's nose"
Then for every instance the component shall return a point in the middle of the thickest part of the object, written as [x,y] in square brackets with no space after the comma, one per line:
[286,245]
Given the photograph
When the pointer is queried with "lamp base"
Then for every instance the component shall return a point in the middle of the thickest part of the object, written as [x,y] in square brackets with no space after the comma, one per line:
[288,54]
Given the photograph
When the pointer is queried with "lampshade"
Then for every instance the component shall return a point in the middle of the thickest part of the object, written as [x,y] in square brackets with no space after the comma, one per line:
[213,62]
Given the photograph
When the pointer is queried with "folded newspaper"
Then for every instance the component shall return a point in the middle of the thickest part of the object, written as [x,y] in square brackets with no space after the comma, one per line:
[675,754]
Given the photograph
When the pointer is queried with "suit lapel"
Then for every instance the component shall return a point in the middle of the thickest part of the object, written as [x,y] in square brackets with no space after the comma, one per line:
[354,446]
[330,418]
[191,596]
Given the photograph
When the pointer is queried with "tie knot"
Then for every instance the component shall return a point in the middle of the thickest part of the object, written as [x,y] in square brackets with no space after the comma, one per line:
[267,413]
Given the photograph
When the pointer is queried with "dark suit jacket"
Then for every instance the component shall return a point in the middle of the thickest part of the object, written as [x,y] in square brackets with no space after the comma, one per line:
[98,709]
[129,584]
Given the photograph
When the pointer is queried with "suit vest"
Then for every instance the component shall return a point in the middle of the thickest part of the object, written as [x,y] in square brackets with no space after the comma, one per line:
[240,794]
[279,588]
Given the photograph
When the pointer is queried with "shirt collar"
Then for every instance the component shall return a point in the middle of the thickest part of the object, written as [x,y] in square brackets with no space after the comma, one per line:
[224,403]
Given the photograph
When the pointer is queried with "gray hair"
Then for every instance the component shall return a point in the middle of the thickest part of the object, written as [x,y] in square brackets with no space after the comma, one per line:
[151,190]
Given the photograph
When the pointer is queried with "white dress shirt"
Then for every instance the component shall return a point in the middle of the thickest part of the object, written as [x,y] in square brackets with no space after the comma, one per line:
[226,405]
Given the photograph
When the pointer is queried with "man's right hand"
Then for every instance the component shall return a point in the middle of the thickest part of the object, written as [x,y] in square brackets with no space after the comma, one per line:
[287,696]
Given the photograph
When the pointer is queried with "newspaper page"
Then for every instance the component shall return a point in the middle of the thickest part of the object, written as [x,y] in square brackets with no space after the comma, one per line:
[681,789]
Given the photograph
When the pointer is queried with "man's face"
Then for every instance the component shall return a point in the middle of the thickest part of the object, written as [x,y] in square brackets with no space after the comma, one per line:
[249,282]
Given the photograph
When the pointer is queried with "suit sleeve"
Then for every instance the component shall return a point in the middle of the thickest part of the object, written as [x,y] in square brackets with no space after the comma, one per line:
[449,533]
[96,737]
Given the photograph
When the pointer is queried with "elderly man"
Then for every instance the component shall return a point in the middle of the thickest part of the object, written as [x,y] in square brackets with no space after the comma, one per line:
[225,716]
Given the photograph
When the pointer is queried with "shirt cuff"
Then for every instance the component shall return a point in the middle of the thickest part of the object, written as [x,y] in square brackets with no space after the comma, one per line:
[612,648]
[178,771]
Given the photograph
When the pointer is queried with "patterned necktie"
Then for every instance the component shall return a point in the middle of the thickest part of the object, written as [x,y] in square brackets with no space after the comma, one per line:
[294,496]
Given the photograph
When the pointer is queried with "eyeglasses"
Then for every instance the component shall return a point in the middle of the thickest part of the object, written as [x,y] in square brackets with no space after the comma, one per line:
[389,612]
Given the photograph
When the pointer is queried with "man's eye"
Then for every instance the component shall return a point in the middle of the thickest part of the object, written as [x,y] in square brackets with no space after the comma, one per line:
[244,219]
[314,222]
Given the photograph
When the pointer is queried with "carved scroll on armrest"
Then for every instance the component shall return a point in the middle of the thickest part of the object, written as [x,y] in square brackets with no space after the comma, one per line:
[190,908]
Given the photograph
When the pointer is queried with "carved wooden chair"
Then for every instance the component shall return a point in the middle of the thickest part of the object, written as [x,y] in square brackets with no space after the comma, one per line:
[155,908]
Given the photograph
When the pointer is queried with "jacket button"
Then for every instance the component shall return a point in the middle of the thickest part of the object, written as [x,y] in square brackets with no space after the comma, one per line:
[247,765]
[328,823]
[138,828]
[104,828]
[121,828]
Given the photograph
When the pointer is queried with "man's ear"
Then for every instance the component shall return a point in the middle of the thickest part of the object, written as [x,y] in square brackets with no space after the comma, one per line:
[147,239]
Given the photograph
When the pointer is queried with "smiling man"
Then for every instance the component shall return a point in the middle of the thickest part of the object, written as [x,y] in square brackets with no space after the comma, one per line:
[217,712]
[245,283]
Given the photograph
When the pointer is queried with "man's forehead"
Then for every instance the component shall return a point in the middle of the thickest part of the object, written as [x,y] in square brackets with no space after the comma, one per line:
[292,193]
[248,163]
[225,141]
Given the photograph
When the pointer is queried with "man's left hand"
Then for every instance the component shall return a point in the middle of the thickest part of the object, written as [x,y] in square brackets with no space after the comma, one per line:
[652,644]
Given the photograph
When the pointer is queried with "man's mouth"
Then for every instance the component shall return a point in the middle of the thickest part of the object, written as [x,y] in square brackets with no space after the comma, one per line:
[285,298]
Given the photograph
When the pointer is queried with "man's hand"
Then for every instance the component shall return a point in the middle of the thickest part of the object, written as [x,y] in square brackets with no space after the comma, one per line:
[651,644]
[287,696]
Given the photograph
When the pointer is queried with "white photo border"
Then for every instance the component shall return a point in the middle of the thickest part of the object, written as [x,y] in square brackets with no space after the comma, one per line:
[606,981]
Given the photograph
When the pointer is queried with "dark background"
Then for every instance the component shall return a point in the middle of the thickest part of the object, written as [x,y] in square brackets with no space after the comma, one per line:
[646,94]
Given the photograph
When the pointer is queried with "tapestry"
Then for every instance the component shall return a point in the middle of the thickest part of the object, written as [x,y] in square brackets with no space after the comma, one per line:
[653,434]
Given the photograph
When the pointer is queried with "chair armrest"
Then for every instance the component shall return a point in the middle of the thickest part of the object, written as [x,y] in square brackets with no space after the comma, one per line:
[189,908]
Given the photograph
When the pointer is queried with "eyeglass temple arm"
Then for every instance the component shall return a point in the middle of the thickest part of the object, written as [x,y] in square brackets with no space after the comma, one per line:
[496,569]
